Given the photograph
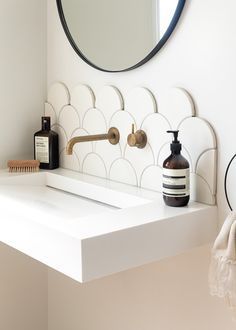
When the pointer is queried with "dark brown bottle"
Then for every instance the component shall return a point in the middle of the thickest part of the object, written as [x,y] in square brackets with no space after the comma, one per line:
[46,148]
[176,175]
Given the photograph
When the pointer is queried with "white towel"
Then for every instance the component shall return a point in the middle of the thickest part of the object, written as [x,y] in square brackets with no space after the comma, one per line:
[222,272]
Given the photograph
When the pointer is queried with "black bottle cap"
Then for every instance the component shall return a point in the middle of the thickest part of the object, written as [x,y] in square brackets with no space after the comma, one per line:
[175,146]
[46,123]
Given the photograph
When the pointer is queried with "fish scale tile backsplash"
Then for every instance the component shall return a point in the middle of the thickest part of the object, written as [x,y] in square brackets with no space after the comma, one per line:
[81,112]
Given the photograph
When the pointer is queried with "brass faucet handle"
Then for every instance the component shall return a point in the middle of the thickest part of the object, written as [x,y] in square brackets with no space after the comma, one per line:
[137,139]
[113,135]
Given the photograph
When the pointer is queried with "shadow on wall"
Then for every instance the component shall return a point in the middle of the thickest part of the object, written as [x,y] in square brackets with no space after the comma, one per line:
[23,291]
[154,296]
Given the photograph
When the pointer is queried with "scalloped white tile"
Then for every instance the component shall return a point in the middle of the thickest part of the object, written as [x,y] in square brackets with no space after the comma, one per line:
[155,126]
[62,136]
[176,104]
[50,112]
[93,164]
[197,136]
[94,122]
[151,178]
[82,99]
[140,158]
[208,173]
[200,190]
[108,152]
[131,165]
[187,156]
[163,153]
[109,100]
[122,171]
[69,119]
[58,96]
[139,103]
[69,162]
[82,149]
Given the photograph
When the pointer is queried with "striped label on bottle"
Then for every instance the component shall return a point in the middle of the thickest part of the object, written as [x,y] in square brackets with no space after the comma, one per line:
[176,182]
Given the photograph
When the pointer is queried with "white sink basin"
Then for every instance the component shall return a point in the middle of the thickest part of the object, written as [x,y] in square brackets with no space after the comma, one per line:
[52,197]
[44,201]
[86,227]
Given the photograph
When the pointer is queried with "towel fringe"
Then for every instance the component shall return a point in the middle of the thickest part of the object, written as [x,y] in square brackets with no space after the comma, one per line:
[222,279]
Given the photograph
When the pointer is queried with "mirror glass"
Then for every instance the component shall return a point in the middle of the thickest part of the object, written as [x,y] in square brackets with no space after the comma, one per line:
[118,35]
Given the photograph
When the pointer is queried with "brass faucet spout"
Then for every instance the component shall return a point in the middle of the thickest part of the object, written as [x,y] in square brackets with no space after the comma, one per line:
[113,136]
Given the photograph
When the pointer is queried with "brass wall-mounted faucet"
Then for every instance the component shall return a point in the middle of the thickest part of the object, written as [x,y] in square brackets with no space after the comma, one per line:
[137,139]
[113,136]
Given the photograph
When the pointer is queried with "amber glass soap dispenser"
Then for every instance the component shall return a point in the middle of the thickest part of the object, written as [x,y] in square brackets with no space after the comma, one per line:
[176,175]
[46,148]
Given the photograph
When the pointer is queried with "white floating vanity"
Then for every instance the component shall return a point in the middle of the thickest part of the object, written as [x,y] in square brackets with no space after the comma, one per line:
[87,227]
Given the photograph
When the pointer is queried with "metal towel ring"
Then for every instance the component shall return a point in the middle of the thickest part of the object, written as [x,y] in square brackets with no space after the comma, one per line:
[225,182]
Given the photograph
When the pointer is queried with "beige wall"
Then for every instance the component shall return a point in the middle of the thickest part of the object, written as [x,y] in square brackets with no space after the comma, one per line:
[172,294]
[168,295]
[22,75]
[23,281]
[23,291]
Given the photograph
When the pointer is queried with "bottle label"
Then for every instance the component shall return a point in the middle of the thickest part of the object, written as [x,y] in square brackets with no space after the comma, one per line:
[42,149]
[176,182]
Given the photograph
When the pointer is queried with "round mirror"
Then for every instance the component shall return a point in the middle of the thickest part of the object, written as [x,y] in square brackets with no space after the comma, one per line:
[229,184]
[121,35]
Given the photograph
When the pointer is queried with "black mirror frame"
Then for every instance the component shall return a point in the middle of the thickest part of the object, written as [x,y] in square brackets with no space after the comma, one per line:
[156,49]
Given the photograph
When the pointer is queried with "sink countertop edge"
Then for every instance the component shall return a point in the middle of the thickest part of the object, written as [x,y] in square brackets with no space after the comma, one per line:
[132,238]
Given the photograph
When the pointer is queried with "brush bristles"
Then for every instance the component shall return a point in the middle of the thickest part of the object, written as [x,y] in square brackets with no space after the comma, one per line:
[23,165]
